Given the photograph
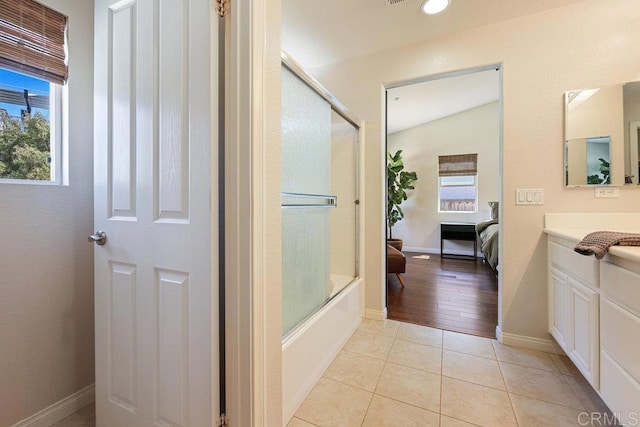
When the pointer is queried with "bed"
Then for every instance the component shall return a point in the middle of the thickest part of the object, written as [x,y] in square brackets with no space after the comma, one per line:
[488,239]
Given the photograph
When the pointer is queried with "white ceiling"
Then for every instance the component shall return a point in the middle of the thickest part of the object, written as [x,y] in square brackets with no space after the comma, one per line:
[419,103]
[322,32]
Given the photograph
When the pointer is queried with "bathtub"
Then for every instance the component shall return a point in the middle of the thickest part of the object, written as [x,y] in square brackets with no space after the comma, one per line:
[309,350]
[338,283]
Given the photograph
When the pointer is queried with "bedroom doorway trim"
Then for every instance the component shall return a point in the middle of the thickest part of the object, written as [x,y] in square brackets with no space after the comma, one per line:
[386,87]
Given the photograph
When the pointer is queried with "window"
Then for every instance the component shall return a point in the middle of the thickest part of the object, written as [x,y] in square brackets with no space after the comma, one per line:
[27,144]
[458,183]
[32,70]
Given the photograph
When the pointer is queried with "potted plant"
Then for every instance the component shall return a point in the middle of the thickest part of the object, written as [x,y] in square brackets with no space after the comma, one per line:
[398,182]
[604,172]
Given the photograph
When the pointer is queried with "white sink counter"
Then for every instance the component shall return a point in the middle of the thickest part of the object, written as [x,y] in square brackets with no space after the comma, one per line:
[574,227]
[594,306]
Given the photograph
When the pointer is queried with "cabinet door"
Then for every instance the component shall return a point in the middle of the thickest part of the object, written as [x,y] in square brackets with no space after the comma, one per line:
[558,294]
[584,330]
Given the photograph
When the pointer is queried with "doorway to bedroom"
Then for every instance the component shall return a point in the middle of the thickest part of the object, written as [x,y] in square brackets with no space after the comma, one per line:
[447,130]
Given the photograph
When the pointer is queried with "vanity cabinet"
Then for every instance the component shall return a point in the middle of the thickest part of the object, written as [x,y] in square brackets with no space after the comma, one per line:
[620,337]
[583,345]
[574,306]
[558,306]
[594,307]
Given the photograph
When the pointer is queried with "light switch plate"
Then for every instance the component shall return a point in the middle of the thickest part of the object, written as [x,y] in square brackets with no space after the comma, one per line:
[529,196]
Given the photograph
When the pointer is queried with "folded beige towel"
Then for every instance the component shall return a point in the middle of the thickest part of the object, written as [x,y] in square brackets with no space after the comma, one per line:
[599,242]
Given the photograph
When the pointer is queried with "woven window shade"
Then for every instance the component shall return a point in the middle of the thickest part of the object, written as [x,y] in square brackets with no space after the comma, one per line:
[458,165]
[32,40]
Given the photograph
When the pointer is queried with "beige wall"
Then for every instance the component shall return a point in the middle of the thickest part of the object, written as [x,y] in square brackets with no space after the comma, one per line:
[46,290]
[542,55]
[472,131]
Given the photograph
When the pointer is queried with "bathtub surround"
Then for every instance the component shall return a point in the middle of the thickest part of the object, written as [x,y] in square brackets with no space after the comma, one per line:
[322,293]
[309,350]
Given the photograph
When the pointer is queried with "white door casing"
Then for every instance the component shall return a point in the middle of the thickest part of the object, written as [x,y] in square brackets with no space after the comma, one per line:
[156,294]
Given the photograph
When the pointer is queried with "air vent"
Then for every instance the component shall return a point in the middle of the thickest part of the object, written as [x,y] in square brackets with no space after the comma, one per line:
[390,3]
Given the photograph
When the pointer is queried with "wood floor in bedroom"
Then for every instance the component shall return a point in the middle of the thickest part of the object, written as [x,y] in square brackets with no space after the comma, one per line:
[457,295]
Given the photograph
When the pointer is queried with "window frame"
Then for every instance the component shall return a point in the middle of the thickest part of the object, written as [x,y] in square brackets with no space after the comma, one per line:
[474,185]
[57,138]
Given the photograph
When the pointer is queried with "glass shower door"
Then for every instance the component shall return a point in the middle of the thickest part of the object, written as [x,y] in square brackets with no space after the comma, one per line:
[306,200]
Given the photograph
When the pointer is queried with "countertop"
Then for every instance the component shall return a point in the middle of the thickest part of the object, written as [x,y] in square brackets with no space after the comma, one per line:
[575,235]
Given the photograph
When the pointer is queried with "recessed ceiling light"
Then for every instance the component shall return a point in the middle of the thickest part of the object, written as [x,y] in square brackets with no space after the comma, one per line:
[431,7]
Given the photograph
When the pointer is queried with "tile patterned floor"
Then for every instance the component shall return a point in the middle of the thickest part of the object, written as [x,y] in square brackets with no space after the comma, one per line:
[399,374]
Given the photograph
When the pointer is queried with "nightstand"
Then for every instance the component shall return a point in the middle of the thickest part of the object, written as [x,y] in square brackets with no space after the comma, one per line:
[465,231]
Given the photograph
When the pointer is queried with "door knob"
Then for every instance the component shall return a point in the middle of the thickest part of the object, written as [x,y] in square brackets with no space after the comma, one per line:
[100,237]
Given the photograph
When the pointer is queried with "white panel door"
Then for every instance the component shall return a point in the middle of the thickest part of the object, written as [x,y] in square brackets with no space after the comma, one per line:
[156,276]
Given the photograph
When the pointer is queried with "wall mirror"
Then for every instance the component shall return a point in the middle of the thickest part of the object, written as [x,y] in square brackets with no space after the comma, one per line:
[602,133]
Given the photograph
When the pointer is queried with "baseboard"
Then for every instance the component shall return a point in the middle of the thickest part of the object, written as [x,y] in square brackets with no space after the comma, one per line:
[60,409]
[532,343]
[375,314]
[420,250]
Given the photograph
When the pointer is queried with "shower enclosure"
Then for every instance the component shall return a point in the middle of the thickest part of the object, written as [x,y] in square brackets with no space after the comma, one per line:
[319,197]
[322,292]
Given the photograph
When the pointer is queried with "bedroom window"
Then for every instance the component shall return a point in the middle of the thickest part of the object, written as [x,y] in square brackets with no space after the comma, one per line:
[458,183]
[33,71]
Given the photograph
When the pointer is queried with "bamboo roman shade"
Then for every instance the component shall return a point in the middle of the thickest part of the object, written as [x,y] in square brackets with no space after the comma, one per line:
[458,165]
[32,40]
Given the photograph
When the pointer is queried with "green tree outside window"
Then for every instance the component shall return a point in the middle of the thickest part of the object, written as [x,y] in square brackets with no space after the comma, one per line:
[25,147]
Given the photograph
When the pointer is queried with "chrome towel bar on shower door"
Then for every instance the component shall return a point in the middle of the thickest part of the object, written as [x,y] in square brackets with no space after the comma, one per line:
[300,200]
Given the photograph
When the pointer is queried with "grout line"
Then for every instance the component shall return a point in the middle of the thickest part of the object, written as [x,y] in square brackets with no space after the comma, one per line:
[470,354]
[420,343]
[373,394]
[302,419]
[549,402]
[515,416]
[581,382]
[458,419]
[441,378]
[557,365]
[493,347]
[358,354]
[584,407]
[366,412]
[476,384]
[472,383]
[406,403]
[530,367]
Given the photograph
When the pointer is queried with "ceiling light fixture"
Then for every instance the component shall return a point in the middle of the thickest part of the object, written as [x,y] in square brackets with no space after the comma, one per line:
[431,7]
